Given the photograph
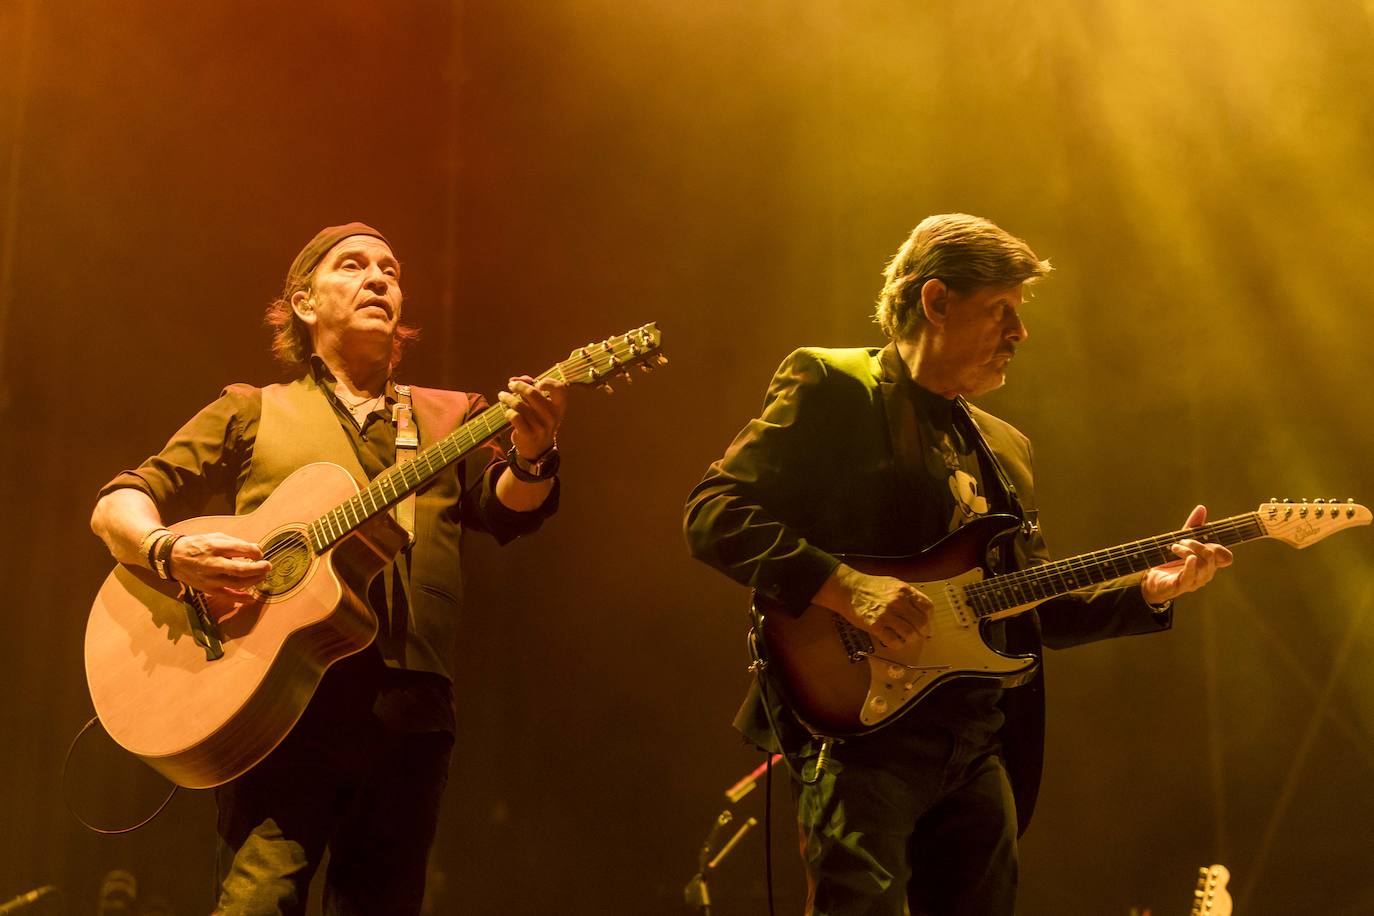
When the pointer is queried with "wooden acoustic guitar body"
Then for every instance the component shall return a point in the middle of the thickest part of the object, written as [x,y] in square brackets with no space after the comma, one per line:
[199,721]
[204,688]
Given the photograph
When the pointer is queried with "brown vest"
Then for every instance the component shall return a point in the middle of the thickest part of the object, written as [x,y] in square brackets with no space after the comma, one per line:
[299,426]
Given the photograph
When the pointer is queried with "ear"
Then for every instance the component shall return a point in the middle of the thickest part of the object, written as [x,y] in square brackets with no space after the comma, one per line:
[935,296]
[303,304]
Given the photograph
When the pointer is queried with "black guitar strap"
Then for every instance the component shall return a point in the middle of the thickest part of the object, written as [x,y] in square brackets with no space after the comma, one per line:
[1014,506]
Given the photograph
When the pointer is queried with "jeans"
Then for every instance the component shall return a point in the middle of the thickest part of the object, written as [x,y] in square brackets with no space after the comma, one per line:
[368,793]
[909,816]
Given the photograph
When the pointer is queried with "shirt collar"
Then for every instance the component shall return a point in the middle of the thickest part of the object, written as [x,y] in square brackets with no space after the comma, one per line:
[324,378]
[936,406]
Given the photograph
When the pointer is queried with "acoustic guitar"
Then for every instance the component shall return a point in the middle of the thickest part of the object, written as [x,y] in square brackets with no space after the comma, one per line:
[840,683]
[202,687]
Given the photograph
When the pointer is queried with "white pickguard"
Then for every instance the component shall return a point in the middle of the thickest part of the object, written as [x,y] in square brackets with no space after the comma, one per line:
[953,646]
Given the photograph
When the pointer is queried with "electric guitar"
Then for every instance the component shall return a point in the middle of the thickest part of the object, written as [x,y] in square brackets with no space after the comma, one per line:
[840,683]
[202,687]
[1211,898]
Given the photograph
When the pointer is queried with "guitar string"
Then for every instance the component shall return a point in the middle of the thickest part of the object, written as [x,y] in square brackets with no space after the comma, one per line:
[1159,544]
[1242,527]
[1053,573]
[445,448]
[1022,584]
[575,364]
[1234,530]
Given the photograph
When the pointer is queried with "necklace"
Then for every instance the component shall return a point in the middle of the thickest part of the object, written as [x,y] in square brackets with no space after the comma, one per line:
[353,405]
[359,408]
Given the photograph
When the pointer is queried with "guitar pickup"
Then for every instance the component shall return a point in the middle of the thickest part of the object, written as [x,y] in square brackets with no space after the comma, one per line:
[959,606]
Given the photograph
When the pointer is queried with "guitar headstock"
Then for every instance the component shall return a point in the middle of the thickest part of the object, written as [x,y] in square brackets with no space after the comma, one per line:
[597,363]
[1303,523]
[1211,898]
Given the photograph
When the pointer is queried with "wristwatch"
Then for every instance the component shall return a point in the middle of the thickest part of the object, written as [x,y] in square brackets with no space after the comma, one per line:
[544,468]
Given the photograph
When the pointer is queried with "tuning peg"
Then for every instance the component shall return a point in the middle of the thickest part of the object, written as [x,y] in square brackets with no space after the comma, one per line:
[605,388]
[662,360]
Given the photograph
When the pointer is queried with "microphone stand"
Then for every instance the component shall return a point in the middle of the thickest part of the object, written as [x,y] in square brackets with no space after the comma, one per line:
[23,901]
[696,893]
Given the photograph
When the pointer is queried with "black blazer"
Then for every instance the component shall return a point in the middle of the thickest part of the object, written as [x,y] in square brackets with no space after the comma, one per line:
[825,470]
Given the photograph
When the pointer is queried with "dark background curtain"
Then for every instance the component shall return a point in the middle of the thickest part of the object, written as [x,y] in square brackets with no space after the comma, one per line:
[555,172]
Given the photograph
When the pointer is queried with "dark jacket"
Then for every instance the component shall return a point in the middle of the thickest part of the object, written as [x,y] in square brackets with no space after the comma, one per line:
[827,469]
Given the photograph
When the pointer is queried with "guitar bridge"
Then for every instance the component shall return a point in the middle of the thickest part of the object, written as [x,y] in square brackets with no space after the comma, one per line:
[857,644]
[203,628]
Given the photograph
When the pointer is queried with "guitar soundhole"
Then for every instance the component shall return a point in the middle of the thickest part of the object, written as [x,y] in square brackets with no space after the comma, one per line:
[291,557]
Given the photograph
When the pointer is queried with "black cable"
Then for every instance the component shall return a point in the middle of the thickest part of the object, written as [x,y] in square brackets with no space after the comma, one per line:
[768,827]
[67,800]
[758,666]
[759,663]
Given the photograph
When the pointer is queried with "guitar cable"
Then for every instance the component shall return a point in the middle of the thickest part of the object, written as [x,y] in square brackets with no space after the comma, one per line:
[757,667]
[67,798]
[768,827]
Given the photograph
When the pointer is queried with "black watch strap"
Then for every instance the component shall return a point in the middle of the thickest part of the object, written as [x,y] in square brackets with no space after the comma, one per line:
[528,471]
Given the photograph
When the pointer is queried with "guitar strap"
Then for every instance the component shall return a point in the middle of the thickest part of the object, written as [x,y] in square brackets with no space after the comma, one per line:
[1028,527]
[407,443]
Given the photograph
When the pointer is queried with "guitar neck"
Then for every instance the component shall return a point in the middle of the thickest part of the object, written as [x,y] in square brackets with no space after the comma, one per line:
[589,365]
[399,481]
[1005,594]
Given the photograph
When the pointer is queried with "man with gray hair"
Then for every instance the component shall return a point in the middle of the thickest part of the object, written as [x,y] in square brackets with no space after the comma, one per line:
[362,772]
[876,452]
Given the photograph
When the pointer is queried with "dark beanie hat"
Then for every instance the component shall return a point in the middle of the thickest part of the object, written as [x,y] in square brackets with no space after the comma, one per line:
[319,246]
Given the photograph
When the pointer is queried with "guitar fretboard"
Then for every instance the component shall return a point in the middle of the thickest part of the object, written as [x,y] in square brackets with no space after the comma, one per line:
[1049,580]
[589,365]
[399,481]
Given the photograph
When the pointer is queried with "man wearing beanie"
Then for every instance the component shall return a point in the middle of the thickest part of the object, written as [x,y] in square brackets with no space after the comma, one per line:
[361,774]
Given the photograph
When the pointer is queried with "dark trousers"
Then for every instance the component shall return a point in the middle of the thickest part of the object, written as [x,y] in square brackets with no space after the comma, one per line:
[368,793]
[910,816]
